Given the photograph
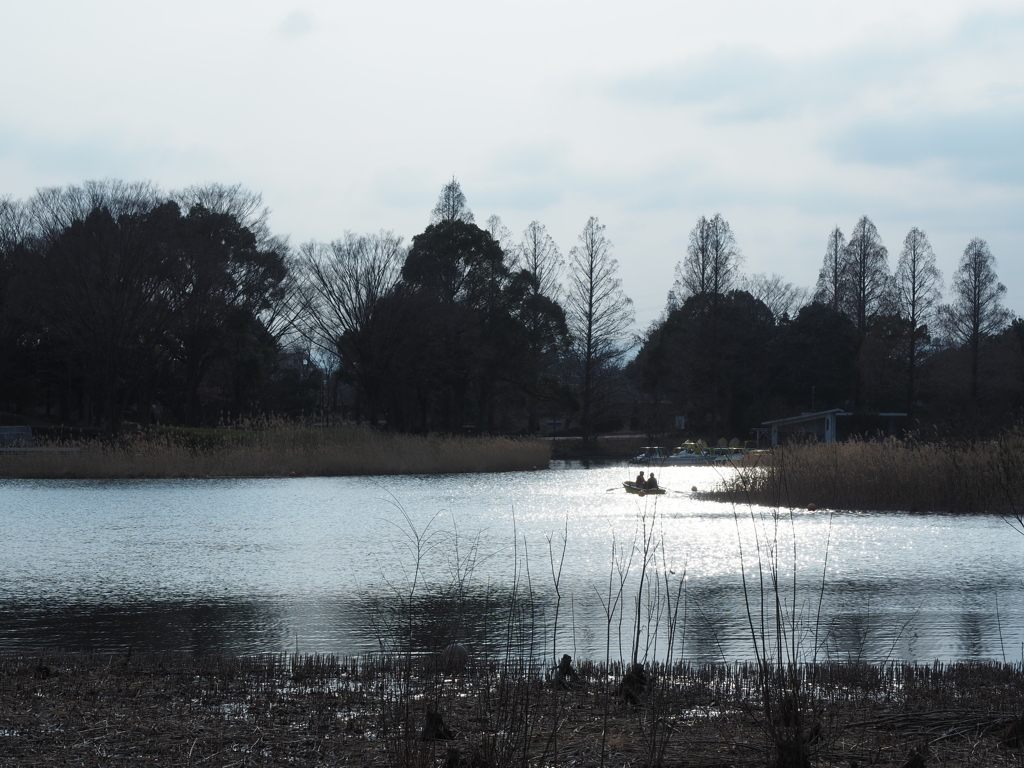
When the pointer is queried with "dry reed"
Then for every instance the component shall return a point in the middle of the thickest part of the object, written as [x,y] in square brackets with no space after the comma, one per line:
[886,475]
[61,708]
[275,451]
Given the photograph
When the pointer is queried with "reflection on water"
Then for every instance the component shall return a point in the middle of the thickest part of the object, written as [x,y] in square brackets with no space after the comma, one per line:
[351,565]
[196,626]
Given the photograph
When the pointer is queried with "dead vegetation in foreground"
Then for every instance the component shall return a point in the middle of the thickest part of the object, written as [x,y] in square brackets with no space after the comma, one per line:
[61,709]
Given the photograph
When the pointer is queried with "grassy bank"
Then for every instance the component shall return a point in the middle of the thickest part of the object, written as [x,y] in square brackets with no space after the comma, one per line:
[275,451]
[61,709]
[886,475]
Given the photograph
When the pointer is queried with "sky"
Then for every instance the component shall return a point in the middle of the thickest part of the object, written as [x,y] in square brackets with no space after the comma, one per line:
[788,118]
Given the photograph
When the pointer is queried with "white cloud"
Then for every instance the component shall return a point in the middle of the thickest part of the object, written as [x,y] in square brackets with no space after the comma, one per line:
[786,118]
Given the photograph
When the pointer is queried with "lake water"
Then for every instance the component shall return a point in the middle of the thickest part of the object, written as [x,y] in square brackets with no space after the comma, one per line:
[332,565]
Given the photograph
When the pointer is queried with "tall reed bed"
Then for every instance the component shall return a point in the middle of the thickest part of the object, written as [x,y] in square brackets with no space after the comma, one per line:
[278,450]
[886,475]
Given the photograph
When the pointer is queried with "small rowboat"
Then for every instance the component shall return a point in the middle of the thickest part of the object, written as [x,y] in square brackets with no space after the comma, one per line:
[632,487]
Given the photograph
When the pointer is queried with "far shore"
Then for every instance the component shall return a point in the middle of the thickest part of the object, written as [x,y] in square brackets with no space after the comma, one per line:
[277,451]
[877,475]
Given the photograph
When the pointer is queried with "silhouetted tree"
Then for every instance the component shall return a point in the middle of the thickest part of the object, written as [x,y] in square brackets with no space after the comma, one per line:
[538,341]
[710,268]
[918,287]
[73,365]
[19,360]
[538,254]
[868,283]
[13,225]
[815,360]
[451,205]
[458,274]
[135,303]
[712,261]
[867,274]
[106,280]
[54,209]
[542,318]
[223,282]
[456,261]
[345,285]
[833,282]
[599,315]
[243,205]
[502,235]
[781,297]
[676,363]
[882,364]
[976,312]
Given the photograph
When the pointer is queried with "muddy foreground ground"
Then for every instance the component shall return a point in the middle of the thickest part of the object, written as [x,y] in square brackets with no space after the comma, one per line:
[66,709]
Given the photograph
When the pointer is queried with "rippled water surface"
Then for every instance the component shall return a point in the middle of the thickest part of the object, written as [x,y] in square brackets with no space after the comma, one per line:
[326,565]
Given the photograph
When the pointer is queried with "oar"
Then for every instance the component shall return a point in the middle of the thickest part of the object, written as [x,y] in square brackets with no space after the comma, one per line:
[616,488]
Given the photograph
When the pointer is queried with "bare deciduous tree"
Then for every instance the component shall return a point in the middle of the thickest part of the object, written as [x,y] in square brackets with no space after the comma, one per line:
[343,285]
[13,223]
[598,315]
[539,255]
[280,313]
[782,298]
[832,284]
[976,311]
[693,273]
[222,281]
[451,205]
[54,209]
[918,287]
[725,256]
[502,235]
[234,200]
[712,261]
[710,269]
[867,272]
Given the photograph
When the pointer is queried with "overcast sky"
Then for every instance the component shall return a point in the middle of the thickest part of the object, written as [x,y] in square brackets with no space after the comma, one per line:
[787,117]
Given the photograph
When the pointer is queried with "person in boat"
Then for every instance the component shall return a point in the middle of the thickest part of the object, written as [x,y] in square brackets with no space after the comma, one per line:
[652,482]
[640,480]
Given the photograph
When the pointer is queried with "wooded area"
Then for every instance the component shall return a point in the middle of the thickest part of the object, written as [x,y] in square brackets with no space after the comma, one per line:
[122,306]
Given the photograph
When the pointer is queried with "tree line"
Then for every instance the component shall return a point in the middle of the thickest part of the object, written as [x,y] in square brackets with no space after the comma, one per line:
[732,351]
[121,305]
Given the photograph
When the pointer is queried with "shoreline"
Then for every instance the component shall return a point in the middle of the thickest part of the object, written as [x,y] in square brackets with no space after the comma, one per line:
[283,453]
[291,451]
